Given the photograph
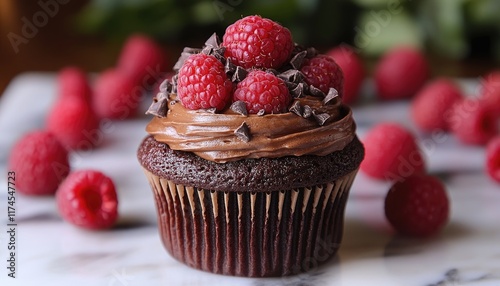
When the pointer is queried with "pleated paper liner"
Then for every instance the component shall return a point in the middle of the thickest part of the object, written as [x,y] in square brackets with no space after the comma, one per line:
[251,234]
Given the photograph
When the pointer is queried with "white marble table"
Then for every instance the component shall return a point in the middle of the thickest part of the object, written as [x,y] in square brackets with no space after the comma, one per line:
[51,252]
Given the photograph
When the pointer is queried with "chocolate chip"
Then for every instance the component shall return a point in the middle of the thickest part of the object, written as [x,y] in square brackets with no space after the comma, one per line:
[261,112]
[211,110]
[166,86]
[307,111]
[184,55]
[229,67]
[331,95]
[213,41]
[239,107]
[298,91]
[218,53]
[243,132]
[311,52]
[316,91]
[291,75]
[273,71]
[159,107]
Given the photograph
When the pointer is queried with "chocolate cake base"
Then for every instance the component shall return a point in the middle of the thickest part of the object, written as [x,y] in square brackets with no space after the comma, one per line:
[245,221]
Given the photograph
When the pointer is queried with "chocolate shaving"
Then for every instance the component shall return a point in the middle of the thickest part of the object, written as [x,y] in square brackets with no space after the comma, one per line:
[321,118]
[239,107]
[311,52]
[307,111]
[298,91]
[166,86]
[207,50]
[291,75]
[159,106]
[184,55]
[239,74]
[213,41]
[211,110]
[296,61]
[229,67]
[243,132]
[174,83]
[331,95]
[273,71]
[316,91]
[296,108]
[261,112]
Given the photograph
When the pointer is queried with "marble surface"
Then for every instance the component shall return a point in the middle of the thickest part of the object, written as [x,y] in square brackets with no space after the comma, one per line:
[52,252]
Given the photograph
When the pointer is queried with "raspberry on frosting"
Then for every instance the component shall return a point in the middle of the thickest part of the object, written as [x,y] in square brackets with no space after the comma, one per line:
[203,84]
[263,91]
[323,73]
[257,42]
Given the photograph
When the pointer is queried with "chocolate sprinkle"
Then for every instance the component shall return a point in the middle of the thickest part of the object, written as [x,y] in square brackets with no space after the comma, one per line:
[243,132]
[298,91]
[229,67]
[184,55]
[294,76]
[166,86]
[213,41]
[261,112]
[331,95]
[321,118]
[239,107]
[239,74]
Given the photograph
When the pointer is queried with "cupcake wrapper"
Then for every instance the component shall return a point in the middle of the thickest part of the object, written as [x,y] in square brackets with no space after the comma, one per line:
[251,234]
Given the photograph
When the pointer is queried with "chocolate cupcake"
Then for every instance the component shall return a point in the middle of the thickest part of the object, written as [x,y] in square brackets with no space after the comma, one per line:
[246,191]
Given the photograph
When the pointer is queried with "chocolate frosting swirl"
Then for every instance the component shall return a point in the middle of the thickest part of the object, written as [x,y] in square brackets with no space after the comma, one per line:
[212,136]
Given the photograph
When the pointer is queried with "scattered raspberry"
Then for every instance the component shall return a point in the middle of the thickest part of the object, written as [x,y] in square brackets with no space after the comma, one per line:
[262,90]
[473,122]
[73,82]
[74,123]
[432,102]
[491,81]
[203,83]
[116,96]
[400,73]
[391,153]
[141,60]
[417,206]
[491,97]
[323,72]
[493,158]
[352,68]
[40,162]
[257,42]
[88,199]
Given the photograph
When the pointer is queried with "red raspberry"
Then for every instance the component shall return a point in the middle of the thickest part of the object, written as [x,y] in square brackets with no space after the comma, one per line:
[473,122]
[74,123]
[490,95]
[432,102]
[391,153]
[400,73]
[352,68]
[491,81]
[493,158]
[87,199]
[262,90]
[73,82]
[116,96]
[417,206]
[323,72]
[257,42]
[203,83]
[141,60]
[40,162]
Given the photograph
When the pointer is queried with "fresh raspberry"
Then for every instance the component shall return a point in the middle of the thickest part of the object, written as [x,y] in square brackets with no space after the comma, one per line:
[391,153]
[40,163]
[491,81]
[203,83]
[352,67]
[74,123]
[417,206]
[116,96]
[88,199]
[73,82]
[263,90]
[256,42]
[400,73]
[473,122]
[323,72]
[432,102]
[490,96]
[493,158]
[142,60]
